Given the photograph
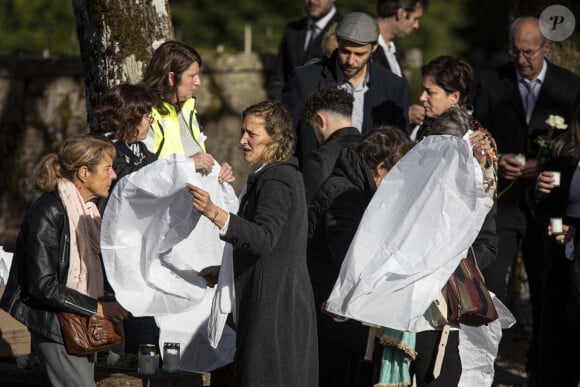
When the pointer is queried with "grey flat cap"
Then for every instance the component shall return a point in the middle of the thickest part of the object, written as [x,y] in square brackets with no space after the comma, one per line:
[358,27]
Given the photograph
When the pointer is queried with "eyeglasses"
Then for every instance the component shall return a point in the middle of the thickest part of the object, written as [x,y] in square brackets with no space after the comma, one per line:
[528,54]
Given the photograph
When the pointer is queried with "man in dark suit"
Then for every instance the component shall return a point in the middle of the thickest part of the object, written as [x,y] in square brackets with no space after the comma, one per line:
[513,103]
[301,42]
[397,19]
[380,97]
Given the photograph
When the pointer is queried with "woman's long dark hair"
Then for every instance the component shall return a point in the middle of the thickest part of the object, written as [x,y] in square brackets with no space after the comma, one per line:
[122,109]
[171,57]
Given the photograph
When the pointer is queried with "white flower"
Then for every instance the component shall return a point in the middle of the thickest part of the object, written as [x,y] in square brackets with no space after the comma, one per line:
[556,122]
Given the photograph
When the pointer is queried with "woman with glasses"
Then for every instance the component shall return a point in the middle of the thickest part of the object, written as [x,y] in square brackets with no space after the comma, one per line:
[124,118]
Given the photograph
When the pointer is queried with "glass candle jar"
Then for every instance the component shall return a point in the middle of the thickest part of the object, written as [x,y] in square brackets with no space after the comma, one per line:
[171,357]
[148,361]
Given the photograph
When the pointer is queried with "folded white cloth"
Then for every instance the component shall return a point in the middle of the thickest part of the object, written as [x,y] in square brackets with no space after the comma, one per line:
[223,300]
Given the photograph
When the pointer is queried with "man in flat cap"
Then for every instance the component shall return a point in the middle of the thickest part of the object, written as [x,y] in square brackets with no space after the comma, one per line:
[380,97]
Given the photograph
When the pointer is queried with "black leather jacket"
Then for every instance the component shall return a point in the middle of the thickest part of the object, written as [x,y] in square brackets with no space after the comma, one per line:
[36,288]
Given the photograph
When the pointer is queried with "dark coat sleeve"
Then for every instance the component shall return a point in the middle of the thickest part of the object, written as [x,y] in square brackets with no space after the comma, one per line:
[314,171]
[386,101]
[342,220]
[259,235]
[41,238]
[485,244]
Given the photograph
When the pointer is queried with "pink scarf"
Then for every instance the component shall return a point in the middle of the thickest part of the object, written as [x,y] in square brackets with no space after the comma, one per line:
[85,273]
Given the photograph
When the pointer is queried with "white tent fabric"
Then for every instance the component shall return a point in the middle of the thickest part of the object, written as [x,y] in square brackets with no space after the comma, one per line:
[423,217]
[154,244]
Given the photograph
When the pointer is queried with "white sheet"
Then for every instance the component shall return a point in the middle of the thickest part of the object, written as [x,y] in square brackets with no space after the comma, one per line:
[478,348]
[154,244]
[425,214]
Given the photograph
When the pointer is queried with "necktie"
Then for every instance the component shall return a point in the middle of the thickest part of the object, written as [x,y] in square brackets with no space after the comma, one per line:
[530,97]
[310,36]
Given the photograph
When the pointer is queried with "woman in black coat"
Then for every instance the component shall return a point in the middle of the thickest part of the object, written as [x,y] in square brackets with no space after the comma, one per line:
[276,323]
[556,271]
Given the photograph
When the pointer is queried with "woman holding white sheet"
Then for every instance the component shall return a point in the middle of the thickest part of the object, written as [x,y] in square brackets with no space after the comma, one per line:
[276,323]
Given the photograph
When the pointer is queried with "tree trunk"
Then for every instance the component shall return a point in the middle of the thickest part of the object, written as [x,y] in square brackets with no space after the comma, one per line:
[117,38]
[565,53]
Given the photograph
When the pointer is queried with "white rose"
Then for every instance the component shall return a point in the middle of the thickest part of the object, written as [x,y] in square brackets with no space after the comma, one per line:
[556,122]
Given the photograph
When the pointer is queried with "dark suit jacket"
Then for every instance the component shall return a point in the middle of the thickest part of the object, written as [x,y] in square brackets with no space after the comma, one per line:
[379,57]
[291,53]
[386,100]
[498,106]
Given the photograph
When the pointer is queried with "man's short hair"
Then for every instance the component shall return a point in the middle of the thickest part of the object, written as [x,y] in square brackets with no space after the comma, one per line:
[388,8]
[330,98]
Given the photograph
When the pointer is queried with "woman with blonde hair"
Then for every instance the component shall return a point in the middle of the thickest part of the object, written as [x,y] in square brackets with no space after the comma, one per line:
[276,323]
[57,263]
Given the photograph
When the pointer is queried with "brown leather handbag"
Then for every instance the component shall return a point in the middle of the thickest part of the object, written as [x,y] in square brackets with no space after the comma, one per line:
[83,335]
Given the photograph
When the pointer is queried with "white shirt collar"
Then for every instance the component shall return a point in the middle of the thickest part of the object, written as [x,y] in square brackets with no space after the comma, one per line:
[390,54]
[540,77]
[323,21]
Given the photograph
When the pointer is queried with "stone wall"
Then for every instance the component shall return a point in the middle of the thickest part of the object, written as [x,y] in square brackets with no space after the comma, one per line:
[42,102]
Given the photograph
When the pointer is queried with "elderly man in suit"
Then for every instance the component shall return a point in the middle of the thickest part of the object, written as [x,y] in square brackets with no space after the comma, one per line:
[380,97]
[301,42]
[513,103]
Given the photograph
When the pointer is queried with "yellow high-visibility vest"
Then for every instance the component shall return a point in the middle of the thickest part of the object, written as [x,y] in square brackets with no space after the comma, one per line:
[166,129]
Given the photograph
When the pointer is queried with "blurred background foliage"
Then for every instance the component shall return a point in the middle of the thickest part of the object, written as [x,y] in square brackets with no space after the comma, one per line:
[454,27]
[472,29]
[36,27]
[450,26]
